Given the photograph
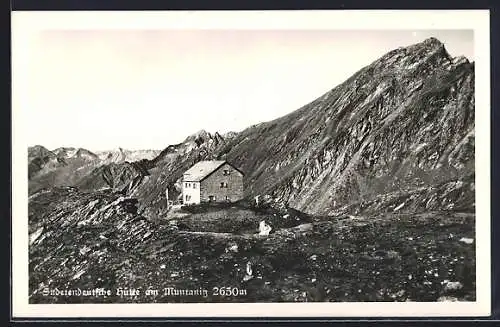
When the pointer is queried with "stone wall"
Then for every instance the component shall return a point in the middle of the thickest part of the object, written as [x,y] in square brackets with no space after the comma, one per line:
[222,187]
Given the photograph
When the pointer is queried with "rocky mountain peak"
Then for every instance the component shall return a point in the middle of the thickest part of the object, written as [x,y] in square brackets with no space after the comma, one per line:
[81,152]
[460,60]
[203,137]
[432,41]
[427,45]
[406,65]
[39,151]
[430,46]
[229,135]
[202,133]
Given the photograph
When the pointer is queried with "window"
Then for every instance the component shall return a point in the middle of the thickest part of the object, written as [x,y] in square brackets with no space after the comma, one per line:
[223,185]
[188,198]
[225,172]
[227,198]
[186,185]
[194,185]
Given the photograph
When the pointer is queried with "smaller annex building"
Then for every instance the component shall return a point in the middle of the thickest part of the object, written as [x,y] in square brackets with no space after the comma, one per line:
[212,181]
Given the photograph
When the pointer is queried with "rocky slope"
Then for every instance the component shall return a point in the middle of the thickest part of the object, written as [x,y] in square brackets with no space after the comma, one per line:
[406,120]
[98,240]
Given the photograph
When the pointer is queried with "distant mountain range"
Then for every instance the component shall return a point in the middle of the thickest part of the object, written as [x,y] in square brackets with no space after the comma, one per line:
[67,165]
[122,155]
[403,123]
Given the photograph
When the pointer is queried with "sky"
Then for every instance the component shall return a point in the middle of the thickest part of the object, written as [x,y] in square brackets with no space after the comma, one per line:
[146,89]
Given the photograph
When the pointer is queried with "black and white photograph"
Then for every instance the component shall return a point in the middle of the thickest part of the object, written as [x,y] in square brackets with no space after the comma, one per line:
[253,164]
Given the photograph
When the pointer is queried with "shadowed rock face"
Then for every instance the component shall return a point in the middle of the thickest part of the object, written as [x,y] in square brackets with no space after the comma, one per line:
[404,118]
[39,157]
[60,167]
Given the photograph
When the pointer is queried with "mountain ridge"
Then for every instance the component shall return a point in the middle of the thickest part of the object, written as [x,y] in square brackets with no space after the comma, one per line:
[321,155]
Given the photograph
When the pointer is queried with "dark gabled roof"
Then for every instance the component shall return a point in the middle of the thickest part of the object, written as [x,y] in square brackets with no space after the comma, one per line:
[203,169]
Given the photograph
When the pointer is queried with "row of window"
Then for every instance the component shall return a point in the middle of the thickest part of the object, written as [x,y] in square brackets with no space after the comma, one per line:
[193,185]
[187,198]
[213,198]
[188,185]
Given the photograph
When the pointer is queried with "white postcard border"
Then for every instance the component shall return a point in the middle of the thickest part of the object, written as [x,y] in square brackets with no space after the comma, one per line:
[24,24]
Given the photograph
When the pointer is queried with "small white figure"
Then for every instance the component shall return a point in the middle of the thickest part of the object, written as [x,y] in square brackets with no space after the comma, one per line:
[264,229]
[467,240]
[249,269]
[249,272]
[233,248]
